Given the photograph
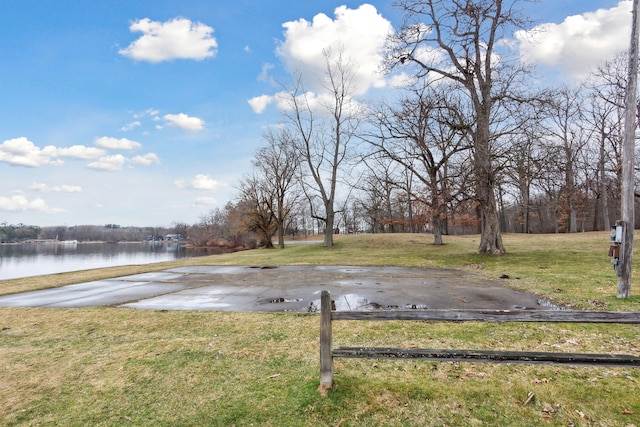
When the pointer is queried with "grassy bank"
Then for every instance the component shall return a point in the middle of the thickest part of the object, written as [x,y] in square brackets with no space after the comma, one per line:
[105,366]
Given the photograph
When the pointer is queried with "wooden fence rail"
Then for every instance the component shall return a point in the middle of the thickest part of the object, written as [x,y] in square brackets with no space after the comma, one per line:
[327,353]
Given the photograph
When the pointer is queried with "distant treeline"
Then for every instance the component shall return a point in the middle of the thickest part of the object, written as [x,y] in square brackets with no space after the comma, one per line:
[10,233]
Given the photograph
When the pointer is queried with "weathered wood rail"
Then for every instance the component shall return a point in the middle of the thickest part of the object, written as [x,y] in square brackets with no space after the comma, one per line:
[327,353]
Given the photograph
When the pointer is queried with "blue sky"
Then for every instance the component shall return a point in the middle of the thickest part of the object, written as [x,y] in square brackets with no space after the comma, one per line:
[149,112]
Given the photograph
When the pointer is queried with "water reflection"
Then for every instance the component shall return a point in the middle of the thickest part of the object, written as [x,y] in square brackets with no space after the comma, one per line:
[34,259]
[356,302]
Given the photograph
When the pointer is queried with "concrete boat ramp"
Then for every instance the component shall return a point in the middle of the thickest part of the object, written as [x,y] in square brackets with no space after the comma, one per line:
[286,288]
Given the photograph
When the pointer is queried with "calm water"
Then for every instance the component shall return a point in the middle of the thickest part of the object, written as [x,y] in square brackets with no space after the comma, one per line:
[32,259]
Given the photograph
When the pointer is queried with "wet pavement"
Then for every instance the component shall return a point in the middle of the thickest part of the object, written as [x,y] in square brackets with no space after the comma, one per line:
[286,288]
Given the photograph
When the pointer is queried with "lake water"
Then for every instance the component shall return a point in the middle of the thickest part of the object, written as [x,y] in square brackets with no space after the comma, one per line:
[35,259]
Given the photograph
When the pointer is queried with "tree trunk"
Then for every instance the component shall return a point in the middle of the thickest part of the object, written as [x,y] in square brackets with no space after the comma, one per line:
[604,199]
[438,210]
[281,235]
[573,219]
[328,231]
[437,230]
[491,239]
[570,188]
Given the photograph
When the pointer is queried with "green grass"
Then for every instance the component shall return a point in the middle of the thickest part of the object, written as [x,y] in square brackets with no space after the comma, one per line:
[106,366]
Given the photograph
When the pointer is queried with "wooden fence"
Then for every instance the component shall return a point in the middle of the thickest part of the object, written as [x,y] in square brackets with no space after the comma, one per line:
[327,353]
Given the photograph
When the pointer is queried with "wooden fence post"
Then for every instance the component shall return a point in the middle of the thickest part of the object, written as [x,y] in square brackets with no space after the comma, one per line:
[326,360]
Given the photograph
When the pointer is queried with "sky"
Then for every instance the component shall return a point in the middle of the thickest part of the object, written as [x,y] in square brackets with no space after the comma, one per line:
[149,112]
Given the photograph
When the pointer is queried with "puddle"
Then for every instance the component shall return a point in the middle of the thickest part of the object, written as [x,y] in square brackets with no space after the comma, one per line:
[550,305]
[278,300]
[355,302]
[353,270]
[416,307]
[351,302]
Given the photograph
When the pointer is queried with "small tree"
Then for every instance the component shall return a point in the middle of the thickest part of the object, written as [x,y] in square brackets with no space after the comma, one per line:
[257,206]
[277,165]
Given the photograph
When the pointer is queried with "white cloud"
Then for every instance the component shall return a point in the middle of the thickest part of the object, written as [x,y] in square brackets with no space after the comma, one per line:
[401,80]
[580,42]
[148,112]
[20,203]
[22,152]
[178,38]
[260,103]
[130,126]
[264,74]
[146,159]
[200,182]
[360,34]
[81,152]
[116,144]
[109,163]
[118,161]
[316,102]
[204,182]
[45,188]
[183,121]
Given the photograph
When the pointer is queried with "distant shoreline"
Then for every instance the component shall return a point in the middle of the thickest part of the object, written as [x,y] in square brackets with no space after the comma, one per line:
[79,242]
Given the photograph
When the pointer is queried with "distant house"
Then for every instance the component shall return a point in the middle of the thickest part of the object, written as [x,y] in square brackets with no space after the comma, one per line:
[172,237]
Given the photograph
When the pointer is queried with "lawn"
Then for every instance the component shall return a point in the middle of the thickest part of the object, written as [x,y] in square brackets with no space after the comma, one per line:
[110,366]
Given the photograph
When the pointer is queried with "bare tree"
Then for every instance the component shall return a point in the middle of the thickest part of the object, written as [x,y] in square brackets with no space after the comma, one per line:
[422,135]
[277,166]
[378,186]
[605,117]
[567,135]
[256,208]
[465,34]
[214,225]
[324,132]
[524,167]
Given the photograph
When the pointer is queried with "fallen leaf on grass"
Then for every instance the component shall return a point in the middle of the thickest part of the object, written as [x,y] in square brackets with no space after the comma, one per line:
[548,408]
[541,380]
[627,412]
[469,372]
